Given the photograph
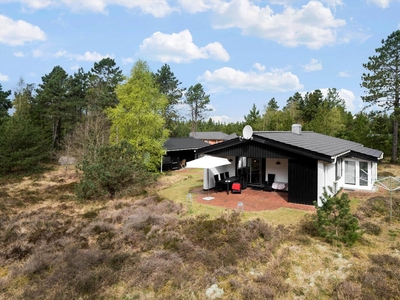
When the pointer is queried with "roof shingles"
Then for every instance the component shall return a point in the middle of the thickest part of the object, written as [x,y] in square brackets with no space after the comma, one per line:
[319,143]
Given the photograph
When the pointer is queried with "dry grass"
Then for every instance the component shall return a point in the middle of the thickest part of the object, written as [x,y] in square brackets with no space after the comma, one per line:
[155,247]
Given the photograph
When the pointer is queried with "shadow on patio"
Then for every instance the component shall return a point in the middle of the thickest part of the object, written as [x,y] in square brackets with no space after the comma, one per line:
[252,199]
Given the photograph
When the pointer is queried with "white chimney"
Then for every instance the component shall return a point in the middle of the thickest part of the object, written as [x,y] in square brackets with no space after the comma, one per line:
[296,128]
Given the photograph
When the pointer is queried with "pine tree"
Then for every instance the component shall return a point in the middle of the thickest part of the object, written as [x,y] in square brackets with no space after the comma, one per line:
[334,222]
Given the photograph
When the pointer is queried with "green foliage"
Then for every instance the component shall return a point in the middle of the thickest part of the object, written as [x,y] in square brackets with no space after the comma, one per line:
[382,83]
[50,109]
[169,86]
[253,118]
[5,104]
[138,116]
[23,145]
[321,114]
[111,169]
[198,101]
[103,81]
[334,222]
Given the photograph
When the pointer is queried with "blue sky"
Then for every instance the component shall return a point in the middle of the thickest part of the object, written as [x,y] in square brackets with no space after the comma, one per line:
[241,51]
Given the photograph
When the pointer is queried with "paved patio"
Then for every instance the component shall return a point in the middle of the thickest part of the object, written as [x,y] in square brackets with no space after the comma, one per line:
[252,199]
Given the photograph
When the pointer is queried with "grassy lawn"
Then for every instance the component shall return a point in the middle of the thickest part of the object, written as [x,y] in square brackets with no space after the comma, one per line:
[182,182]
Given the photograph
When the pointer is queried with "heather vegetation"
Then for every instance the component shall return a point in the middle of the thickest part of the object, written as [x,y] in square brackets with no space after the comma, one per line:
[54,246]
[112,227]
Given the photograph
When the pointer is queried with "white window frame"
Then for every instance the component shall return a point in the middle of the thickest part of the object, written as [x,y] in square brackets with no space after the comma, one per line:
[357,184]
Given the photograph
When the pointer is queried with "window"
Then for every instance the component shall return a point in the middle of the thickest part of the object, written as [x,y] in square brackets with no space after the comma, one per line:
[356,172]
[350,172]
[363,173]
[338,168]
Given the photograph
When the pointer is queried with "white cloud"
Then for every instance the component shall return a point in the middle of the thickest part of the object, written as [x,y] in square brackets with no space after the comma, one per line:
[333,3]
[344,73]
[17,33]
[222,119]
[348,97]
[274,81]
[87,56]
[37,53]
[19,54]
[259,67]
[313,65]
[157,8]
[179,48]
[4,77]
[75,67]
[381,3]
[313,25]
[127,60]
[197,6]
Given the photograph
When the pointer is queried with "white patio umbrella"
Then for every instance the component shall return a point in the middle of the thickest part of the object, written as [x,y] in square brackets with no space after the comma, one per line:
[207,162]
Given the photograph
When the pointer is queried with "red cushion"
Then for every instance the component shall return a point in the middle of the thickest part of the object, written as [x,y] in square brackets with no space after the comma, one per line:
[236,186]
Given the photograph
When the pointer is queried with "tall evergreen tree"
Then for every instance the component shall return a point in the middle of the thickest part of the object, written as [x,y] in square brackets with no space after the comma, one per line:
[51,108]
[292,108]
[5,104]
[104,78]
[169,86]
[23,145]
[253,118]
[382,82]
[310,104]
[198,101]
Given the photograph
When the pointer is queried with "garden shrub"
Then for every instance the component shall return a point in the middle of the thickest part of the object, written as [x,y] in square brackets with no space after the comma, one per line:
[111,169]
[334,222]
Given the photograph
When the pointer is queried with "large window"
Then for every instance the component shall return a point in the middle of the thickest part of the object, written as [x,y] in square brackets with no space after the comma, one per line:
[356,172]
[350,172]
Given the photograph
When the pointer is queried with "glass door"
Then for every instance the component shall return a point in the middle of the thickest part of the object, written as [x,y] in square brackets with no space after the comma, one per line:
[254,175]
[363,173]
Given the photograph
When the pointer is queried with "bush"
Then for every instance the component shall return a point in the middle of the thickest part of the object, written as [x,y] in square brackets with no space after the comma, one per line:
[372,228]
[334,222]
[110,169]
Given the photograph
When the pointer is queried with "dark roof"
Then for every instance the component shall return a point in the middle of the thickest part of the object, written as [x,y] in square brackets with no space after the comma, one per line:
[212,135]
[319,143]
[308,143]
[177,144]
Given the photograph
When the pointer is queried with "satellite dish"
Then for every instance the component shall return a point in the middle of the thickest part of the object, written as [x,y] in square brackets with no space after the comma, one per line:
[247,132]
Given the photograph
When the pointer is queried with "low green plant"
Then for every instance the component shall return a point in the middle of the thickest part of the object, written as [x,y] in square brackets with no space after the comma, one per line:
[334,222]
[110,169]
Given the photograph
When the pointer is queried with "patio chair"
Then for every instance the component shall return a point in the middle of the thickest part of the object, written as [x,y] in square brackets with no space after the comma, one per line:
[218,185]
[222,176]
[268,184]
[226,174]
[236,188]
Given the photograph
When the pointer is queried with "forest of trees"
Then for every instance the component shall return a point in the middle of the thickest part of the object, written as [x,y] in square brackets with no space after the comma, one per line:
[78,114]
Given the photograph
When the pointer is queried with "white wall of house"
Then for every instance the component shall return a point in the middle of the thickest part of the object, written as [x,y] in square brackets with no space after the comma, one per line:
[358,174]
[350,176]
[208,178]
[326,178]
[281,170]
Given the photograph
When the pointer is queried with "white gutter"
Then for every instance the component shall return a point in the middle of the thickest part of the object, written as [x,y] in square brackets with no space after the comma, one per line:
[341,154]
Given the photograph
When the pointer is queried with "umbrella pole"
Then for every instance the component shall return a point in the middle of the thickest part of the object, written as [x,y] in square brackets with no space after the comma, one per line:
[208,187]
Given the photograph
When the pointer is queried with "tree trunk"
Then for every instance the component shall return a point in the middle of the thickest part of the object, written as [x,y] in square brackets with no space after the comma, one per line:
[395,137]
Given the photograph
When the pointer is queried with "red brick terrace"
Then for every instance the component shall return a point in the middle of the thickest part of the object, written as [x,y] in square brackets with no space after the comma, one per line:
[252,199]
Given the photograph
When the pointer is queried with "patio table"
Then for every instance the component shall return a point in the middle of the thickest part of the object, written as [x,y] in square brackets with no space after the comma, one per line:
[228,182]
